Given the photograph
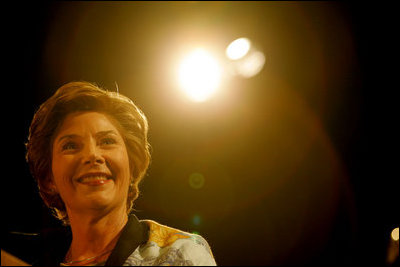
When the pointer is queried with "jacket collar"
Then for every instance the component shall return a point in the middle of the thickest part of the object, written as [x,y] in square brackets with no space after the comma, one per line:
[134,234]
[57,241]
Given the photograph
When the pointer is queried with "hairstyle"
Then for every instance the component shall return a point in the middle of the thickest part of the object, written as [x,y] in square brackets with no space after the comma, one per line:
[84,96]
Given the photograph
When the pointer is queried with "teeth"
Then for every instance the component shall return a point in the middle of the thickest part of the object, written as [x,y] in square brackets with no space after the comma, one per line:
[93,178]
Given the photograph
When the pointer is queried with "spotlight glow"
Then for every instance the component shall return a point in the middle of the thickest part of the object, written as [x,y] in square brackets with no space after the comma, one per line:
[238,48]
[199,75]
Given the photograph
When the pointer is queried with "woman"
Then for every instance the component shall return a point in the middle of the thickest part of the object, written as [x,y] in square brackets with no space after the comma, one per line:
[88,150]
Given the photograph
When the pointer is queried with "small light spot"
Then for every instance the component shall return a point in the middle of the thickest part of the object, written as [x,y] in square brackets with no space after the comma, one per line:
[196,219]
[196,180]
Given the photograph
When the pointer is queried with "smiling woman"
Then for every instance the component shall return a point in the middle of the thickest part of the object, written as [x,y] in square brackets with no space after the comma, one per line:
[85,141]
[88,150]
[57,120]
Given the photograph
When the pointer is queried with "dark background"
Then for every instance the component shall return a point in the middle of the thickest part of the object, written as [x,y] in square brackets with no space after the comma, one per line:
[298,161]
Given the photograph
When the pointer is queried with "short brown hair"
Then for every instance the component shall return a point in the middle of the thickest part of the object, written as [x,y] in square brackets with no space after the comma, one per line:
[85,96]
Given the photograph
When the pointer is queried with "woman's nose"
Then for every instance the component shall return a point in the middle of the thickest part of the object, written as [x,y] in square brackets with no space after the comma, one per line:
[92,154]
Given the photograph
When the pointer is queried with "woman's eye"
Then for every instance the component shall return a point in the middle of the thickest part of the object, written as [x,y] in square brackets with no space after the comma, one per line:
[69,146]
[108,141]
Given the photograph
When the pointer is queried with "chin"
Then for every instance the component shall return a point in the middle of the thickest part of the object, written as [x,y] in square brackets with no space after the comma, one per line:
[104,203]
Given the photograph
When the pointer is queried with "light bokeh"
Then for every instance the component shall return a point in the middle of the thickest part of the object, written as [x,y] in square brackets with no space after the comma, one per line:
[238,48]
[395,234]
[252,64]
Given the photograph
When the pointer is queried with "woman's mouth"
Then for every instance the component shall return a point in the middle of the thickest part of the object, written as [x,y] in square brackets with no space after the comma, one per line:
[95,179]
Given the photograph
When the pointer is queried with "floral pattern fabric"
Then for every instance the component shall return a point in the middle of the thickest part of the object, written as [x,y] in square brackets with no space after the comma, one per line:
[167,246]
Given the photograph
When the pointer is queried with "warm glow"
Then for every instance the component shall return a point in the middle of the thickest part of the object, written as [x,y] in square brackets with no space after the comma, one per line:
[395,234]
[199,75]
[238,48]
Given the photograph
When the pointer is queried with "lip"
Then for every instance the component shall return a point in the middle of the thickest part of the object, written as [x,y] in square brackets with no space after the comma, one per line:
[95,182]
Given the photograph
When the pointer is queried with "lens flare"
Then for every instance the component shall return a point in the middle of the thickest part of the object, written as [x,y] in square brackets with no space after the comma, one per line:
[196,220]
[252,65]
[238,48]
[395,234]
[196,180]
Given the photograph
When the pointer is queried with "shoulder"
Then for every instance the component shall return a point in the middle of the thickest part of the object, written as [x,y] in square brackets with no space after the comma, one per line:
[170,246]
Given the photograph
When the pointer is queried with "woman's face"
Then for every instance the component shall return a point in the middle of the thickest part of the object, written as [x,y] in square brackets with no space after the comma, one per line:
[90,164]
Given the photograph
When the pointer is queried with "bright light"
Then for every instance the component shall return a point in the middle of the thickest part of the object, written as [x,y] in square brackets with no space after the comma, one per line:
[199,75]
[238,48]
[395,234]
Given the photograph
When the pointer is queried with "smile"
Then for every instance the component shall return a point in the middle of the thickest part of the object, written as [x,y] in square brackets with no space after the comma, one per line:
[94,179]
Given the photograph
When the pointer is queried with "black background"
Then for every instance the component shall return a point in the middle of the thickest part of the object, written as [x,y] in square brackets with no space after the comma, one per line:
[246,217]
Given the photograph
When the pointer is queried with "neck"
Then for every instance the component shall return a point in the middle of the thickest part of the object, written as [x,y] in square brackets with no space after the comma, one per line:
[93,234]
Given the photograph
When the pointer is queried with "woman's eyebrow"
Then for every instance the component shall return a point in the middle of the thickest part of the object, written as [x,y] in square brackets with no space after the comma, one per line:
[104,133]
[98,135]
[67,136]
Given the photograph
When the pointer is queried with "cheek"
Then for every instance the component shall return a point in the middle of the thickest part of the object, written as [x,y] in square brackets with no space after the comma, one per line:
[121,163]
[62,169]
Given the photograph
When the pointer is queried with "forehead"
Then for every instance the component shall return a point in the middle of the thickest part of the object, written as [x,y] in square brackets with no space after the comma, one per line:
[86,122]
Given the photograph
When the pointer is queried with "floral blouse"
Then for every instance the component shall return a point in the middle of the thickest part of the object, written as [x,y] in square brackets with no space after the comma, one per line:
[167,246]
